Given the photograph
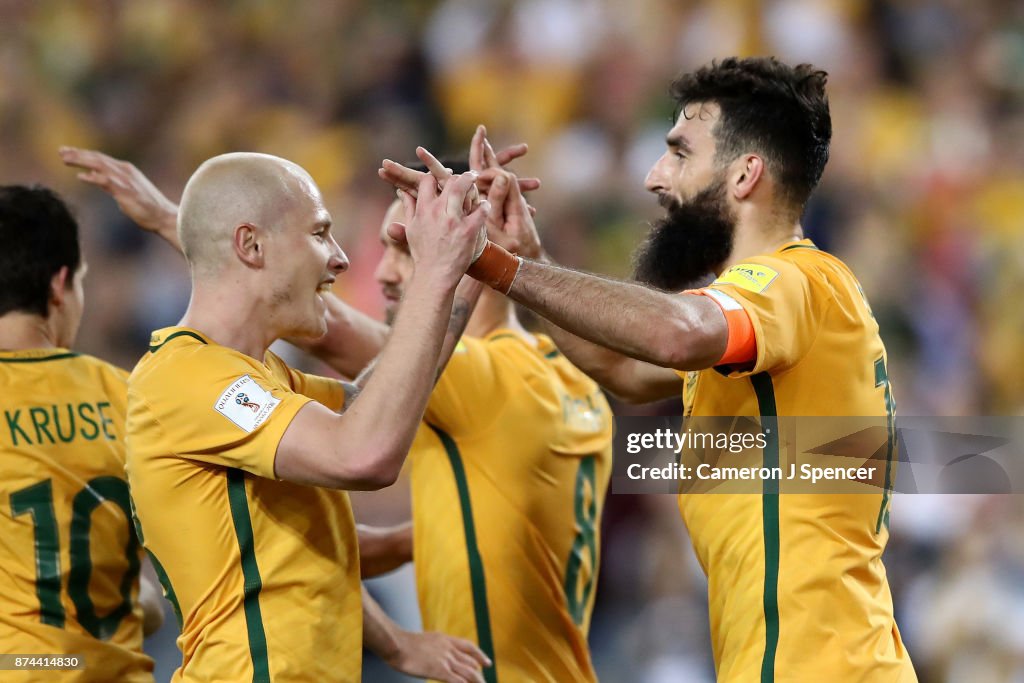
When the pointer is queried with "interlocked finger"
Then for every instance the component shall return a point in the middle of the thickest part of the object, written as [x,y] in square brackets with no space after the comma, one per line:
[455,192]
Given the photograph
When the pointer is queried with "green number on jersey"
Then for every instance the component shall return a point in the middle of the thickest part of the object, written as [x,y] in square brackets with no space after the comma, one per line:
[37,500]
[882,380]
[578,595]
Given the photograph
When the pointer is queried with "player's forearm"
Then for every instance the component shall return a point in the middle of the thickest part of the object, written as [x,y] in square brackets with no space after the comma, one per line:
[598,362]
[467,294]
[352,341]
[464,303]
[628,379]
[167,226]
[384,549]
[624,317]
[396,394]
[162,220]
[380,634]
[158,215]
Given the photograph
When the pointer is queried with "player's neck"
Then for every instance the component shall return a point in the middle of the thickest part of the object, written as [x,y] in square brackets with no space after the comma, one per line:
[228,322]
[754,239]
[495,312]
[20,331]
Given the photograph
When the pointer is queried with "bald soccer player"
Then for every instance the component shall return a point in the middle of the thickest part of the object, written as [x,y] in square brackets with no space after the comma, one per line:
[519,577]
[236,460]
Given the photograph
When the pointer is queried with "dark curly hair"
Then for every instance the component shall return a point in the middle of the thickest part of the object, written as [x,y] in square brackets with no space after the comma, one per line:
[776,110]
[38,236]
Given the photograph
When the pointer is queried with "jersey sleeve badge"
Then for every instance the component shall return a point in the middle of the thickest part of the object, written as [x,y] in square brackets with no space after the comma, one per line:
[752,277]
[246,403]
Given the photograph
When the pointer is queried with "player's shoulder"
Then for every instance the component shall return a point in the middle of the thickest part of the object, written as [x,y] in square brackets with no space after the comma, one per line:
[807,256]
[572,378]
[793,263]
[536,358]
[64,362]
[515,361]
[181,359]
[514,353]
[110,374]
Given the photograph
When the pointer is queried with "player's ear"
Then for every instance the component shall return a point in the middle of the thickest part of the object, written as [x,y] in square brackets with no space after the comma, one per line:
[746,172]
[60,283]
[248,245]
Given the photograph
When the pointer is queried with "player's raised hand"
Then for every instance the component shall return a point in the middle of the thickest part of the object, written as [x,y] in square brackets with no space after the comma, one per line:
[442,175]
[518,228]
[484,159]
[442,235]
[136,196]
[498,195]
[440,657]
[509,221]
[481,158]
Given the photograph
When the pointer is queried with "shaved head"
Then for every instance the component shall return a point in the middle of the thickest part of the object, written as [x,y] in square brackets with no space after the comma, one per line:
[231,190]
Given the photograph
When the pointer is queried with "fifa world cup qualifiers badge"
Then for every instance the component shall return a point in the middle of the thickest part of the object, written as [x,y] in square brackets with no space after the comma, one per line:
[246,403]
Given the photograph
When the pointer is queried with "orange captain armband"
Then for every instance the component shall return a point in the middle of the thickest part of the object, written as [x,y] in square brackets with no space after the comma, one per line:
[495,267]
[741,346]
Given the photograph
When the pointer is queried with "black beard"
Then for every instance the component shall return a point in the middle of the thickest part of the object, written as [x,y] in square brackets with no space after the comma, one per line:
[690,244]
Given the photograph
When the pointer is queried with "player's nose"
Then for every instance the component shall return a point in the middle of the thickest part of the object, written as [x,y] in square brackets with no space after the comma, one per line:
[385,273]
[338,262]
[655,180]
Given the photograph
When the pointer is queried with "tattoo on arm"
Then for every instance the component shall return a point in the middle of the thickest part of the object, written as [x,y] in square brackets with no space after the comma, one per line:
[462,309]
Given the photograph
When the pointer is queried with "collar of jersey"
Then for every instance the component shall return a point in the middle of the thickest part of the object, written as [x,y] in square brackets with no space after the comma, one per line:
[797,244]
[544,345]
[35,355]
[166,334]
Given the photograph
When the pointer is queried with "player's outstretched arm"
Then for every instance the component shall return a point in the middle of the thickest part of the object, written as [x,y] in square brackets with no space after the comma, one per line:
[666,330]
[660,330]
[136,196]
[383,549]
[364,447]
[426,655]
[510,224]
[512,227]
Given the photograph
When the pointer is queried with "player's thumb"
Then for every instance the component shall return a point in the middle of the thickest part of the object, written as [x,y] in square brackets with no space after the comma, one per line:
[397,232]
[477,222]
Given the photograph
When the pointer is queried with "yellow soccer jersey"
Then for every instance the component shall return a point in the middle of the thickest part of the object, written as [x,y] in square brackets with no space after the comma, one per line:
[796,584]
[264,573]
[69,558]
[507,500]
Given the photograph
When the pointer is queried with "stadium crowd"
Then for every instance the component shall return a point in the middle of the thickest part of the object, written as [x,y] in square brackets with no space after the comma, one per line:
[923,198]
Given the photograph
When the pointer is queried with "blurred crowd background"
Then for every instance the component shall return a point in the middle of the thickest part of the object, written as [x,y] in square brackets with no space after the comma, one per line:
[923,197]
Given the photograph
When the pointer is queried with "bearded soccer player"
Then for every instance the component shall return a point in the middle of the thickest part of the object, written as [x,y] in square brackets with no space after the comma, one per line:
[796,584]
[236,460]
[69,557]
